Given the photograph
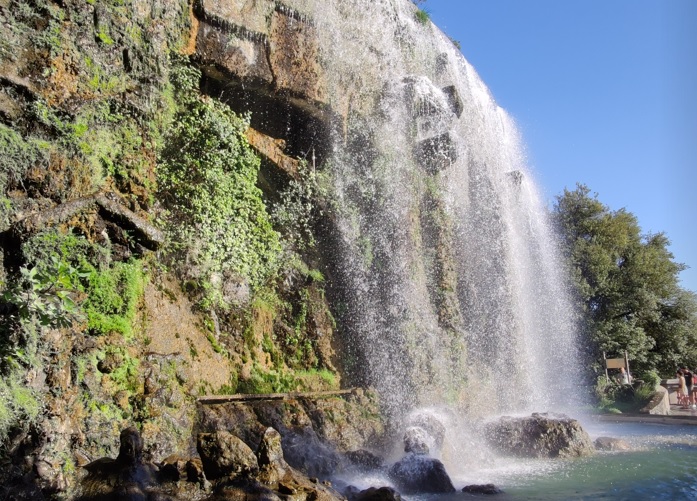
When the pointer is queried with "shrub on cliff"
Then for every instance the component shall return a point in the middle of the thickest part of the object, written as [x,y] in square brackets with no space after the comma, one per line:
[217,222]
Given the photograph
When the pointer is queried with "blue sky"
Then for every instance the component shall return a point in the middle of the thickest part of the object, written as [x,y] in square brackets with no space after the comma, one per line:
[604,92]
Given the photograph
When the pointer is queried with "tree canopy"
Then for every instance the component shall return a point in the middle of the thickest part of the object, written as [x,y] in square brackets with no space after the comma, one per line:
[627,286]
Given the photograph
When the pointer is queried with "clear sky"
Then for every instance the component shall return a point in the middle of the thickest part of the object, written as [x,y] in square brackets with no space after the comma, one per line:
[605,94]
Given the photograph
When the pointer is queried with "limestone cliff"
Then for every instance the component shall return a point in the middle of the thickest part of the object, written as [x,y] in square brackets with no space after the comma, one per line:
[125,297]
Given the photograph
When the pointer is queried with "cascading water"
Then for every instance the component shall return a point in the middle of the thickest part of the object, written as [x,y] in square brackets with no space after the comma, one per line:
[451,288]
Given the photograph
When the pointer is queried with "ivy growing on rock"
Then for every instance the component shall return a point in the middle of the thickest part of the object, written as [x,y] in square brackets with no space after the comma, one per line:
[219,228]
[296,212]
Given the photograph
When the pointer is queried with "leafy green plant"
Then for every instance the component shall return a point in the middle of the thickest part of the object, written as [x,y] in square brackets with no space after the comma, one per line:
[113,296]
[51,37]
[295,213]
[650,378]
[17,402]
[316,276]
[17,155]
[48,288]
[215,344]
[422,16]
[217,221]
[46,292]
[104,37]
[69,279]
[126,374]
[617,398]
[282,381]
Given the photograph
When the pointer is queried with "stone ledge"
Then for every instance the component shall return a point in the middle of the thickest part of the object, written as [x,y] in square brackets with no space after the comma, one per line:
[148,235]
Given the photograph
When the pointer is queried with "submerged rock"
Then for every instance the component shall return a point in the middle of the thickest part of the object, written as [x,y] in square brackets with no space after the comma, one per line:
[420,474]
[482,489]
[539,435]
[376,494]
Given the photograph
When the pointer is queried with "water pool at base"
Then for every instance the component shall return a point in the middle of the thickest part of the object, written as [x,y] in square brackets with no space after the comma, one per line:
[666,473]
[662,465]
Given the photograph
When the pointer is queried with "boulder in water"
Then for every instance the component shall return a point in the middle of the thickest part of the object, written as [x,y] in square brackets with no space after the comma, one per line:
[540,435]
[420,474]
[611,444]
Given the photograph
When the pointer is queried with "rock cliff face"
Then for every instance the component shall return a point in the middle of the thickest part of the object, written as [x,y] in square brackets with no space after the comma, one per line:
[108,316]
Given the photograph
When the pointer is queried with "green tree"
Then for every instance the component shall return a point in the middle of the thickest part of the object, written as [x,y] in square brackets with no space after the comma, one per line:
[627,285]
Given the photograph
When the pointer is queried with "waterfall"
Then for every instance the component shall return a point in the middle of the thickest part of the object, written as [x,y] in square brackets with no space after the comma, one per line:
[451,292]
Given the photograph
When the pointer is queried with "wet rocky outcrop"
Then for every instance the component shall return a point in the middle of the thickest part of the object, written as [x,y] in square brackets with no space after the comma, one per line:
[314,433]
[364,460]
[539,435]
[234,470]
[225,455]
[277,474]
[416,440]
[431,426]
[129,476]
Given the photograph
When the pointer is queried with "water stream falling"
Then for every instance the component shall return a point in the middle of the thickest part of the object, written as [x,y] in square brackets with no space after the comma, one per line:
[451,286]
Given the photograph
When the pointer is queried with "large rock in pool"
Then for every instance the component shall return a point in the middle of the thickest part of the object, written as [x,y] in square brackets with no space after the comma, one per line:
[611,444]
[539,436]
[420,474]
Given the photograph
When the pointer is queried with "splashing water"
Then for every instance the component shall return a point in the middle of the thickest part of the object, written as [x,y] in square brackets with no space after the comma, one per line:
[451,290]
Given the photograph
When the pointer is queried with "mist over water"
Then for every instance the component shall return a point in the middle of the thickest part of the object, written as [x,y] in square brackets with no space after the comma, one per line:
[452,290]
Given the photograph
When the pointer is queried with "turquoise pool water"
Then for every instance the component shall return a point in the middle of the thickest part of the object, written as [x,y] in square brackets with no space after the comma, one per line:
[662,465]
